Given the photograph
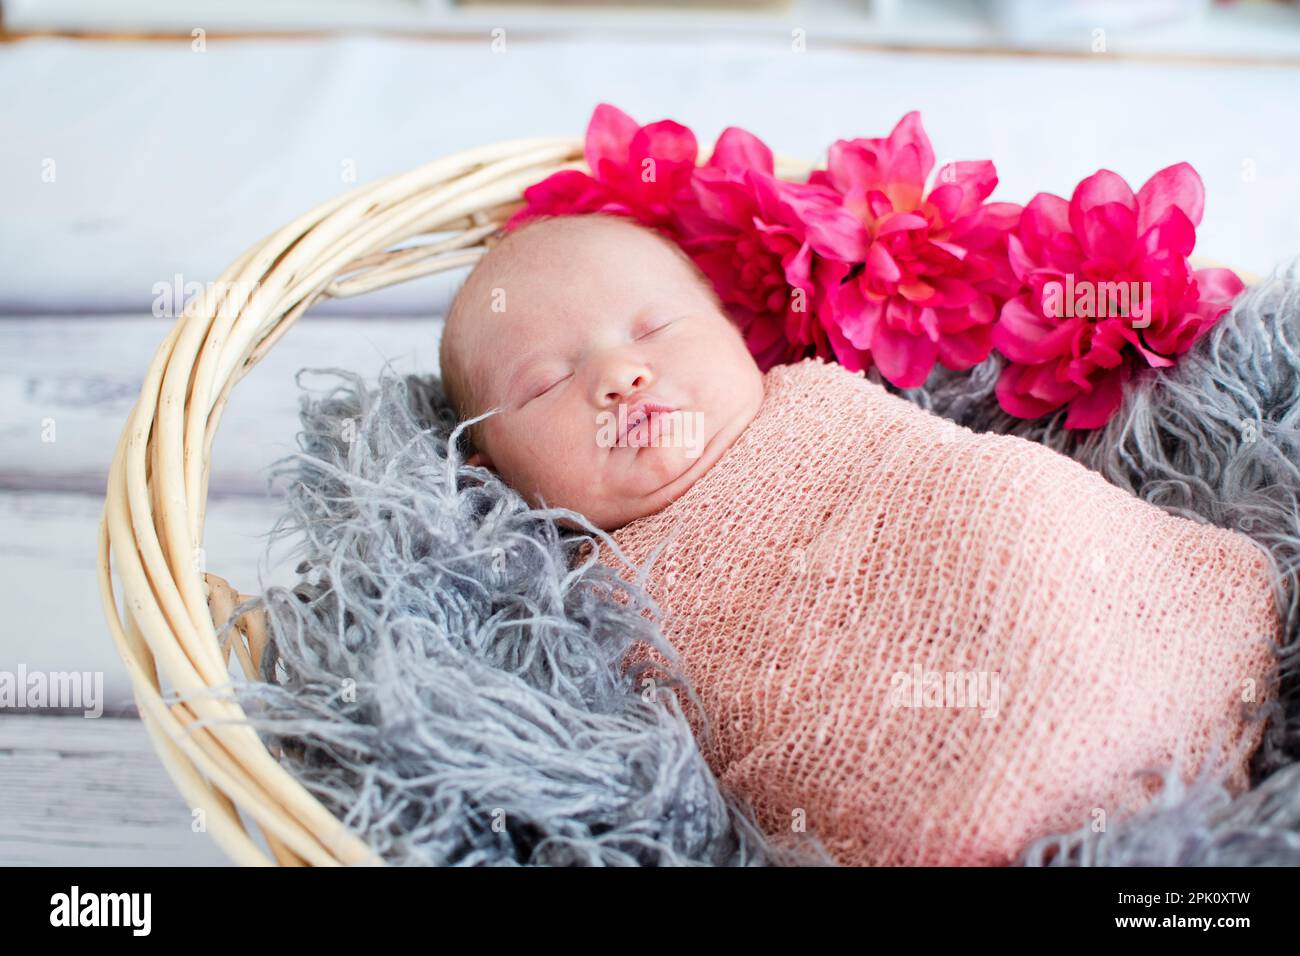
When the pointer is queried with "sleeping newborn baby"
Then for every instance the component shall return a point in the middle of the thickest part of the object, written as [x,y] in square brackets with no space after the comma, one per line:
[922,644]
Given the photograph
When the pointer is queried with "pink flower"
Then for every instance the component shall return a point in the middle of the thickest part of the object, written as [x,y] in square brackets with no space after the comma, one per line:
[1108,290]
[757,238]
[935,271]
[638,171]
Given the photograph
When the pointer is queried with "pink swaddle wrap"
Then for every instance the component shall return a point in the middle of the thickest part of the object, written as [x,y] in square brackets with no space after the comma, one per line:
[929,645]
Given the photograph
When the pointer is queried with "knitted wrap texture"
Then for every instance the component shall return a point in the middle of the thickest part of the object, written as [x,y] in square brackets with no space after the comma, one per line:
[929,645]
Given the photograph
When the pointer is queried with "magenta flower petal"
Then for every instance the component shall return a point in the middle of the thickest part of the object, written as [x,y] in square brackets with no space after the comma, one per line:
[1172,232]
[1045,383]
[973,182]
[738,150]
[665,142]
[844,351]
[1100,188]
[910,134]
[1178,185]
[832,230]
[609,133]
[719,199]
[639,172]
[1153,359]
[903,358]
[1093,409]
[1021,264]
[848,164]
[1109,231]
[896,167]
[899,222]
[1044,218]
[983,310]
[566,191]
[856,316]
[963,350]
[987,227]
[1016,401]
[881,265]
[953,292]
[1023,335]
[1218,285]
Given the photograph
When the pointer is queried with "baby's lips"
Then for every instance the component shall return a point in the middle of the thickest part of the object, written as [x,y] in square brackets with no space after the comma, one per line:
[653,430]
[637,414]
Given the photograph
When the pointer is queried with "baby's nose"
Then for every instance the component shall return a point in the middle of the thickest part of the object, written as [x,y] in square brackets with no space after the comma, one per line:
[623,379]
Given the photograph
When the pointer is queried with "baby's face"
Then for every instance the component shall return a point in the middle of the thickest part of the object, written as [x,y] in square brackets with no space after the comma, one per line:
[619,378]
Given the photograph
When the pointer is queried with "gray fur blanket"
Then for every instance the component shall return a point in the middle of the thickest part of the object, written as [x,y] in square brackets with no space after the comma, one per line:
[445,677]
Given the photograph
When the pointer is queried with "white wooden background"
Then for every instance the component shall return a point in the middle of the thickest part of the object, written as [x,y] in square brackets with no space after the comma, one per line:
[77,790]
[141,196]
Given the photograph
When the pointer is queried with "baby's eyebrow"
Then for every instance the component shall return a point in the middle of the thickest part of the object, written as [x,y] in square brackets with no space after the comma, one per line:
[521,365]
[641,315]
[515,371]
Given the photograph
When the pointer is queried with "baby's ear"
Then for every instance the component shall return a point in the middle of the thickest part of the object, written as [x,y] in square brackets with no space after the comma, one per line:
[479,460]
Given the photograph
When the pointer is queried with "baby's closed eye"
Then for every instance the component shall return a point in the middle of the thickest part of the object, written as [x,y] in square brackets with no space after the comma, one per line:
[544,385]
[654,327]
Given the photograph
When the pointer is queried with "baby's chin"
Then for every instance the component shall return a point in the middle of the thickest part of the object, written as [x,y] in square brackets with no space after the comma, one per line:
[649,479]
[649,470]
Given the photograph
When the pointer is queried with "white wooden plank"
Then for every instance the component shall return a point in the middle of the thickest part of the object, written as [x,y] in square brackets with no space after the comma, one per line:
[1250,30]
[77,792]
[53,619]
[67,385]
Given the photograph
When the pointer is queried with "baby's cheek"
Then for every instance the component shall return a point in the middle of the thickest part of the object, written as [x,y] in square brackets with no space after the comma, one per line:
[563,464]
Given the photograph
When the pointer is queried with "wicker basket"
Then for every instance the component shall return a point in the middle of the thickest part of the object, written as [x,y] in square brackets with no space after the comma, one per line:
[166,626]
[157,485]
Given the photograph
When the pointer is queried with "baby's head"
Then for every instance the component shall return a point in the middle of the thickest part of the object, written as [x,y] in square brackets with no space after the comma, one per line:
[619,377]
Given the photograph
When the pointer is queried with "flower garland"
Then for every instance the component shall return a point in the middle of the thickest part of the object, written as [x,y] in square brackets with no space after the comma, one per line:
[864,266]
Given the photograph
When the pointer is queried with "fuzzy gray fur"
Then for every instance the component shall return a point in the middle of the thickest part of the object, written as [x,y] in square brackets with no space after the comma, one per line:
[489,723]
[444,678]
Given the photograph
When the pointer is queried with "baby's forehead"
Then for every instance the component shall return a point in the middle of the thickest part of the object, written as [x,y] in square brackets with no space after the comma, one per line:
[542,274]
[559,263]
